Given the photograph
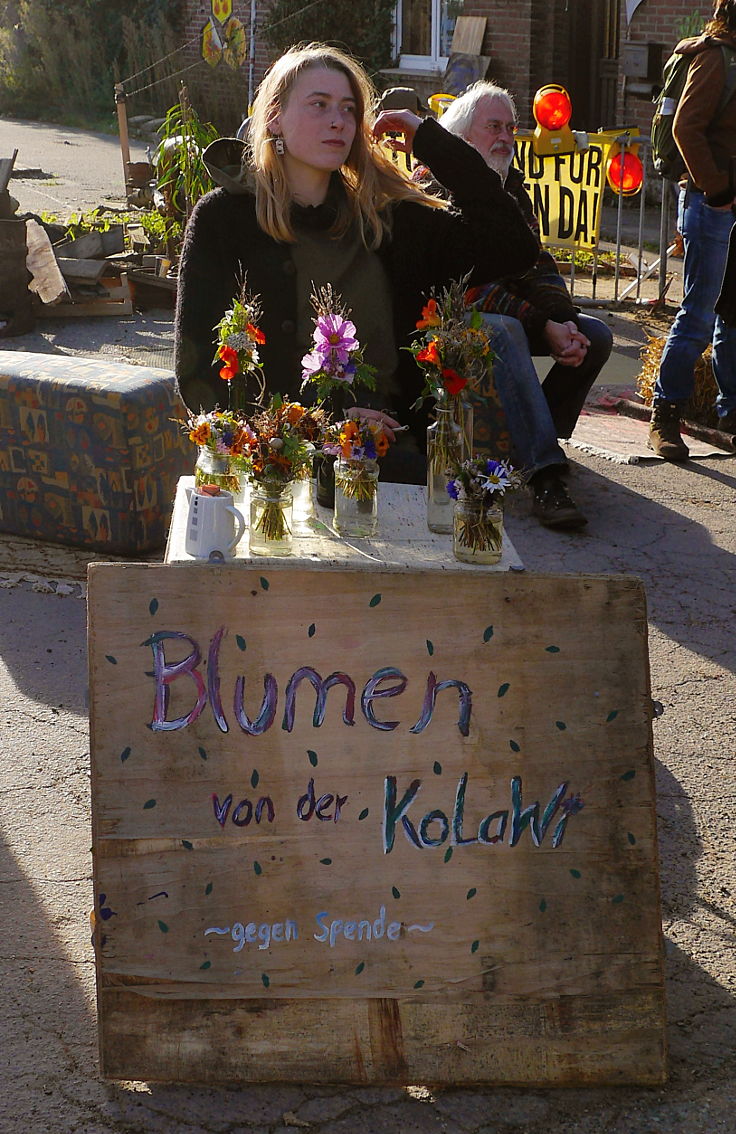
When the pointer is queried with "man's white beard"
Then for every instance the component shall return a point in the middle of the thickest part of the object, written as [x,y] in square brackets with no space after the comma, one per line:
[501,163]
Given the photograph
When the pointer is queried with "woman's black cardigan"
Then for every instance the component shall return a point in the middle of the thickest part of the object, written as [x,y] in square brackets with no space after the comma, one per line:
[483,232]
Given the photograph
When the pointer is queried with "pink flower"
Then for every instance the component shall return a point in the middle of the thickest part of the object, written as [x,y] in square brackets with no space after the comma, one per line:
[335,335]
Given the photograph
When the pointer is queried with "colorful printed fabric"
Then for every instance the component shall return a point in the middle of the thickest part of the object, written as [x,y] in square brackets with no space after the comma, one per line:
[90,451]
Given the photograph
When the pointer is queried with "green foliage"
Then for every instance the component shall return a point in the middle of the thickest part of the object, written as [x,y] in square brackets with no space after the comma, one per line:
[691,25]
[363,27]
[181,173]
[59,59]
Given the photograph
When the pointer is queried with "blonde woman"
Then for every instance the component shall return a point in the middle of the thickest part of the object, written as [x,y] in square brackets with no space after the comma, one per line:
[311,198]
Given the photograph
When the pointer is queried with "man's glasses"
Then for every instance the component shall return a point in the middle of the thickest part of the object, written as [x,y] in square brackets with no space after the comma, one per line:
[495,127]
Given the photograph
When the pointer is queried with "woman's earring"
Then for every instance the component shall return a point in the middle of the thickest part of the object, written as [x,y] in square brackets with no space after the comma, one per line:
[279,145]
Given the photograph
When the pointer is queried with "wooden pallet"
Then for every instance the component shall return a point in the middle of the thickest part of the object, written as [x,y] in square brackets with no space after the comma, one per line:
[115,301]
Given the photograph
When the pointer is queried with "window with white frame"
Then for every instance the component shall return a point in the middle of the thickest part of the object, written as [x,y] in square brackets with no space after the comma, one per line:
[424,31]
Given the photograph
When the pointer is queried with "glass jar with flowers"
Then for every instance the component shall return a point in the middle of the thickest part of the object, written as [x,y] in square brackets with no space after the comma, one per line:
[222,438]
[454,354]
[334,368]
[238,339]
[478,488]
[357,443]
[277,453]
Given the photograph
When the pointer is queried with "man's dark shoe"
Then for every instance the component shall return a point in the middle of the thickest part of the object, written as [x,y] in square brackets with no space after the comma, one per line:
[553,507]
[727,425]
[664,432]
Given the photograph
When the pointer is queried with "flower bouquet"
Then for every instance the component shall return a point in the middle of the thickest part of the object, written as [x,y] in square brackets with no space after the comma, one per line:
[455,357]
[478,488]
[335,362]
[357,444]
[223,439]
[238,339]
[278,451]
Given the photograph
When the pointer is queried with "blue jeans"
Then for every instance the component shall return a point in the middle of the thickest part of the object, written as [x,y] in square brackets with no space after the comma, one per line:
[705,233]
[538,414]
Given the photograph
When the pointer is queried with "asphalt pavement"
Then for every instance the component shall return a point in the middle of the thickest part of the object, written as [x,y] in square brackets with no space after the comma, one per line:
[672,526]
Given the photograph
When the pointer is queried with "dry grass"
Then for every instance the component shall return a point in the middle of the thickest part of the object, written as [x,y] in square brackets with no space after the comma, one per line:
[700,407]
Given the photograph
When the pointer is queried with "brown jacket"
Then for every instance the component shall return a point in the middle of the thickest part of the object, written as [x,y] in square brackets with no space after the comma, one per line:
[706,140]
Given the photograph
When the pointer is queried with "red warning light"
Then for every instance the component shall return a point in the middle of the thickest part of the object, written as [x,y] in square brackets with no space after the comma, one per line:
[552,107]
[625,173]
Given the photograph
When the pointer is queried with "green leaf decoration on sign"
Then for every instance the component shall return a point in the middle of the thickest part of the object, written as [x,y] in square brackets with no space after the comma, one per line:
[612,715]
[202,752]
[208,888]
[615,901]
[125,754]
[266,979]
[542,905]
[363,815]
[359,968]
[430,647]
[487,633]
[631,838]
[153,605]
[471,893]
[575,873]
[326,861]
[187,845]
[163,927]
[448,854]
[257,868]
[254,778]
[206,965]
[503,689]
[396,892]
[240,642]
[514,746]
[375,600]
[437,768]
[560,725]
[312,630]
[111,659]
[475,947]
[629,775]
[552,649]
[149,804]
[419,984]
[264,583]
[312,758]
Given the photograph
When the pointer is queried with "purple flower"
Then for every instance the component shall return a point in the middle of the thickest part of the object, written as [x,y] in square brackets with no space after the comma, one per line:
[452,489]
[335,334]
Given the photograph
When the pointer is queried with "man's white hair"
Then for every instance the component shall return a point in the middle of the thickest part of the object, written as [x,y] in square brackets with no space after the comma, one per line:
[459,115]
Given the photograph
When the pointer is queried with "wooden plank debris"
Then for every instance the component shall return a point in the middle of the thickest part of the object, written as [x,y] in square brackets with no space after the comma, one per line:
[6,168]
[113,300]
[467,37]
[48,282]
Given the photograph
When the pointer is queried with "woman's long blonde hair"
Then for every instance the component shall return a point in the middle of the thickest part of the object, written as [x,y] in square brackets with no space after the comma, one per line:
[370,179]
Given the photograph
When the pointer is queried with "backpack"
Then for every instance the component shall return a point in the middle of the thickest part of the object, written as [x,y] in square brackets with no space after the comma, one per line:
[666,158]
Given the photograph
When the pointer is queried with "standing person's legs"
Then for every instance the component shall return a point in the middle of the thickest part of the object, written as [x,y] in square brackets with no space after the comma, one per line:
[705,234]
[567,387]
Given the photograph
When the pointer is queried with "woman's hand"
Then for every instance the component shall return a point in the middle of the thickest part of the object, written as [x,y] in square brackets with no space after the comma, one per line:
[390,425]
[392,122]
[567,344]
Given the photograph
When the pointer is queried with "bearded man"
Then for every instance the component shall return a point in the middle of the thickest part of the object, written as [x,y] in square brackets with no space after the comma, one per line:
[531,315]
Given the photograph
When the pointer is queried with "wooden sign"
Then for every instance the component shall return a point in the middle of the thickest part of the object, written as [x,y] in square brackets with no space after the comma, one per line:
[374,827]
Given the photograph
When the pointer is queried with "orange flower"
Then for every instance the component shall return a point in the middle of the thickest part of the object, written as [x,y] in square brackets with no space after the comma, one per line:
[429,318]
[381,441]
[452,381]
[348,433]
[294,412]
[256,334]
[200,435]
[230,358]
[430,354]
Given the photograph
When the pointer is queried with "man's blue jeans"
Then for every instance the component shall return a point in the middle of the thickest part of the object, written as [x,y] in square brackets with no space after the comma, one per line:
[538,414]
[705,233]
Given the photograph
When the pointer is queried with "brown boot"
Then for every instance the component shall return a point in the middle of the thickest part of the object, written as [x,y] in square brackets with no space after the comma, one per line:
[664,432]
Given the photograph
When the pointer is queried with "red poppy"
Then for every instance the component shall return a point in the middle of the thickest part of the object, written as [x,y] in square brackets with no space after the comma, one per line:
[256,334]
[230,358]
[430,354]
[452,381]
